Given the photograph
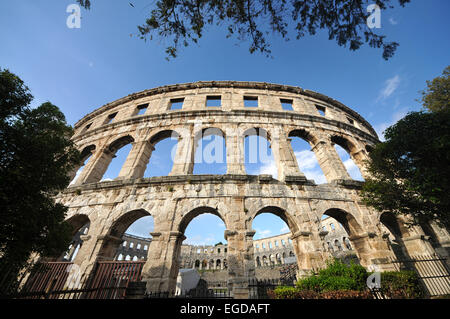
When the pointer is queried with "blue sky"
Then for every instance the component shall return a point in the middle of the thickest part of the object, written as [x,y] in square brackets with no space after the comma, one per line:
[82,69]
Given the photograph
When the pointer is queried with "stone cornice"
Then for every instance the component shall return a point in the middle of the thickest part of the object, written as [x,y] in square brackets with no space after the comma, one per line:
[225,84]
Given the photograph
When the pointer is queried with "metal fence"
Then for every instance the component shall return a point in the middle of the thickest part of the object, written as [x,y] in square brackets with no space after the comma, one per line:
[433,272]
[260,289]
[110,280]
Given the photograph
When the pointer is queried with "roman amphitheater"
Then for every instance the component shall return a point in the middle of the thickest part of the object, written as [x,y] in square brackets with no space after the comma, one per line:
[241,109]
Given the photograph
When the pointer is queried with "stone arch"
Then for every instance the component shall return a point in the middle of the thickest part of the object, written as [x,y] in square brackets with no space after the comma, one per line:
[106,156]
[113,238]
[358,156]
[262,156]
[119,143]
[347,220]
[187,218]
[206,132]
[86,152]
[356,233]
[280,212]
[305,135]
[150,145]
[78,223]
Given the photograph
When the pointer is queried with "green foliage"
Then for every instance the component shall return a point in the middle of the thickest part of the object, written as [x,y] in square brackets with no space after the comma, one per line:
[341,281]
[184,22]
[410,174]
[436,97]
[401,284]
[36,156]
[337,276]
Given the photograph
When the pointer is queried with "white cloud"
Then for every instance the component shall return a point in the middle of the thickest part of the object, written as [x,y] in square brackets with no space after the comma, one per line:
[308,164]
[379,128]
[353,170]
[284,229]
[269,168]
[390,85]
[392,21]
[262,233]
[200,240]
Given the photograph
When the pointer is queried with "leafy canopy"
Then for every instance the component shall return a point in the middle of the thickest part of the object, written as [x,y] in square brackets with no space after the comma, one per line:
[36,156]
[410,171]
[184,21]
[436,97]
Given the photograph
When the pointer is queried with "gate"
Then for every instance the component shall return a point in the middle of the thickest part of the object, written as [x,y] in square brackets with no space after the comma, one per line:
[433,272]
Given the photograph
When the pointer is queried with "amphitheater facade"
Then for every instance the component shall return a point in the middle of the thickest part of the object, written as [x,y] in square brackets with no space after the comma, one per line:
[145,118]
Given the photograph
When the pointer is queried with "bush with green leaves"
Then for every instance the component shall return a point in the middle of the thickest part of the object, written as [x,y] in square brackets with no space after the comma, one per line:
[337,276]
[401,284]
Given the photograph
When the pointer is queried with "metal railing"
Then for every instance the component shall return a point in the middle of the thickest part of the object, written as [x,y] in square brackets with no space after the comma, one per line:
[433,272]
[109,281]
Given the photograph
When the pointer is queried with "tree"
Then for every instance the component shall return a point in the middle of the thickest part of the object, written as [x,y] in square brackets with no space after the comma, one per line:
[437,95]
[36,156]
[410,173]
[185,21]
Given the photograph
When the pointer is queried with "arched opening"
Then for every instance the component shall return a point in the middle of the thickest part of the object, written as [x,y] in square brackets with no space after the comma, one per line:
[273,225]
[117,154]
[136,238]
[307,161]
[336,226]
[160,153]
[344,148]
[258,157]
[86,155]
[210,152]
[129,230]
[80,226]
[204,230]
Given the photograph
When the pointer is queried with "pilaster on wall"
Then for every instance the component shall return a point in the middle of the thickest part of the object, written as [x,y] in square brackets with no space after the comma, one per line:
[329,161]
[359,158]
[285,158]
[235,152]
[137,159]
[308,251]
[96,247]
[241,265]
[183,163]
[373,251]
[161,269]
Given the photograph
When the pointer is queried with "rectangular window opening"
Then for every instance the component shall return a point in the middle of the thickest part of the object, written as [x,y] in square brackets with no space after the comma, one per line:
[110,118]
[88,127]
[350,121]
[214,101]
[286,104]
[321,110]
[176,104]
[250,101]
[142,109]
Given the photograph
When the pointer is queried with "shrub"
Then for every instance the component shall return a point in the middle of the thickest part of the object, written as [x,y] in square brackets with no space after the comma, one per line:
[292,293]
[401,285]
[337,276]
[348,294]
